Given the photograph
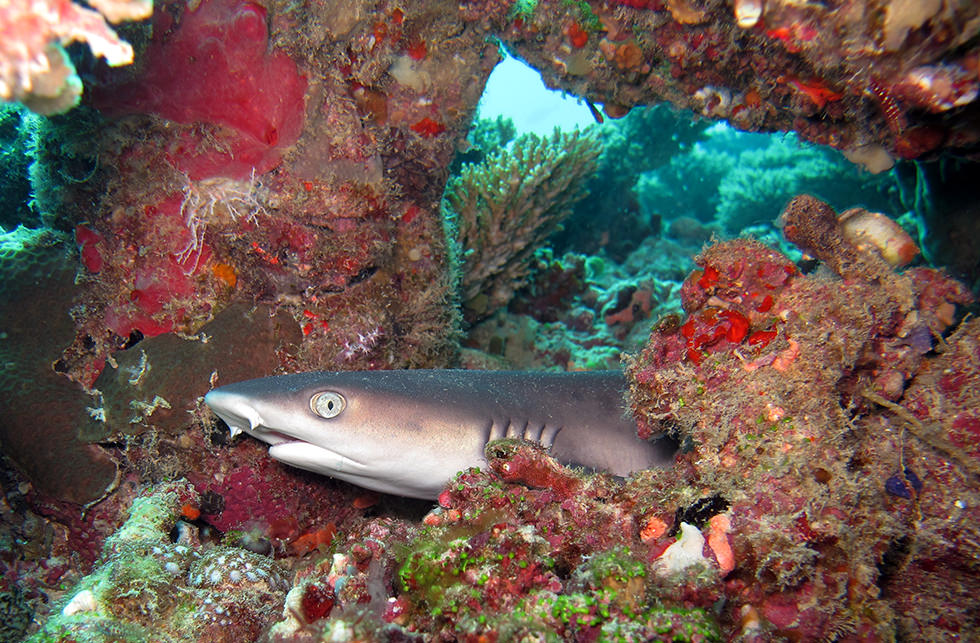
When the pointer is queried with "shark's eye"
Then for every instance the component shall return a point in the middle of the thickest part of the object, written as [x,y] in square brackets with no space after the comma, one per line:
[328,404]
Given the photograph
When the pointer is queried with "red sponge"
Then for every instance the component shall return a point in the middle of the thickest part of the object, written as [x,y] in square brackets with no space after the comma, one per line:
[214,65]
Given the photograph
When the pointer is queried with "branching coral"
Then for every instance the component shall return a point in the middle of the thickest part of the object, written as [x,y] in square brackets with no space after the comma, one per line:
[503,209]
[35,70]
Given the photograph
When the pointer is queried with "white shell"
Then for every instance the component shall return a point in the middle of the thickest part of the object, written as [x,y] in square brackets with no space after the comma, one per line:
[686,551]
[83,601]
[876,231]
[747,13]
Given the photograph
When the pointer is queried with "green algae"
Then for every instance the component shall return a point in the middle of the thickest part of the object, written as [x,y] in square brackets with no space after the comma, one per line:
[523,9]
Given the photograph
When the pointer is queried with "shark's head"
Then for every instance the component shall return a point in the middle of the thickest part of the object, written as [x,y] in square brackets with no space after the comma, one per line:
[366,430]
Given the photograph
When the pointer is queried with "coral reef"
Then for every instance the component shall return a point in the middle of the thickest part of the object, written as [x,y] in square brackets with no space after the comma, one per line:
[762,181]
[503,209]
[931,577]
[147,586]
[45,422]
[16,156]
[608,219]
[261,192]
[527,549]
[186,204]
[580,313]
[878,79]
[740,180]
[780,384]
[827,477]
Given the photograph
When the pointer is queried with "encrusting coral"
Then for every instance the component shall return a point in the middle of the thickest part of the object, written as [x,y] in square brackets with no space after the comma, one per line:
[151,586]
[779,385]
[501,210]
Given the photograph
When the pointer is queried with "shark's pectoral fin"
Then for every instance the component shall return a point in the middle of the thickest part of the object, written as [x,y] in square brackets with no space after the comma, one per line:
[314,458]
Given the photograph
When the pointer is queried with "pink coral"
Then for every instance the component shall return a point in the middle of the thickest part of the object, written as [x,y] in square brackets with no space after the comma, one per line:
[34,68]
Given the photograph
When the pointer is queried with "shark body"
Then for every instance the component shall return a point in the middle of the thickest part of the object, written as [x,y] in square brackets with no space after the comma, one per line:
[409,432]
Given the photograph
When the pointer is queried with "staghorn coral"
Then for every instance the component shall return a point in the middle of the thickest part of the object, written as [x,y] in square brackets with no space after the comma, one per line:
[501,210]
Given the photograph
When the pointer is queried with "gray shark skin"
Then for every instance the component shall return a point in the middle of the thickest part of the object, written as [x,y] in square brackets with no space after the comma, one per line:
[409,432]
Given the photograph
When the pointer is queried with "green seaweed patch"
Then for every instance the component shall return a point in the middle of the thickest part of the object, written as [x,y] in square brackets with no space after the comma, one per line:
[95,628]
[615,567]
[598,615]
[523,9]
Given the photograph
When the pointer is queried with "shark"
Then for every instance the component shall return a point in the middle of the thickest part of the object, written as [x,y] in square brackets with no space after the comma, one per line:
[409,432]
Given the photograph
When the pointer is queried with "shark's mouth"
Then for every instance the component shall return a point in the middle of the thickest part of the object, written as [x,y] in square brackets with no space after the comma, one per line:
[272,437]
[315,458]
[237,425]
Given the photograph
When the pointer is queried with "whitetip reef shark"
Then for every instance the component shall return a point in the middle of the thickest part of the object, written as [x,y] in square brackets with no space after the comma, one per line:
[409,432]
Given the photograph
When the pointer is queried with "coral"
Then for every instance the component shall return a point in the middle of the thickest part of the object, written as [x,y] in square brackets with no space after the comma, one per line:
[501,210]
[485,137]
[271,502]
[687,185]
[38,274]
[937,427]
[147,587]
[883,80]
[815,228]
[299,211]
[608,219]
[16,154]
[34,68]
[214,66]
[772,382]
[15,615]
[581,312]
[64,162]
[762,181]
[531,549]
[140,391]
[740,179]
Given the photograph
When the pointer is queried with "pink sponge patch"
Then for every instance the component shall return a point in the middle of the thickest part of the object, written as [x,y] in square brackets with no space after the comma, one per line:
[164,278]
[88,241]
[215,66]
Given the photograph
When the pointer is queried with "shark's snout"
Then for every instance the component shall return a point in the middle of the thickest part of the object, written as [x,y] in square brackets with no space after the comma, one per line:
[235,409]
